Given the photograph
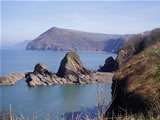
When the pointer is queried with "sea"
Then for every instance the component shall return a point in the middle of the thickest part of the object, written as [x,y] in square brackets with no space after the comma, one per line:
[56,102]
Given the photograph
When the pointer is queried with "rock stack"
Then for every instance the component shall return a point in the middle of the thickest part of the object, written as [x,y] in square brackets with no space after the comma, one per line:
[71,71]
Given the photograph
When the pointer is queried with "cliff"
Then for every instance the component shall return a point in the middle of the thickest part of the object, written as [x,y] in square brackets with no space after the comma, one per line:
[136,84]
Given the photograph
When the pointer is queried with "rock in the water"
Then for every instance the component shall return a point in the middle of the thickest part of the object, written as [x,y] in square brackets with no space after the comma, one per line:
[109,66]
[43,70]
[72,65]
[11,79]
[71,71]
[41,76]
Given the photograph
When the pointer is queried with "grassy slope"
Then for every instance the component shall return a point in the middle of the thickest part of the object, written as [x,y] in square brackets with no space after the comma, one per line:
[136,86]
[137,44]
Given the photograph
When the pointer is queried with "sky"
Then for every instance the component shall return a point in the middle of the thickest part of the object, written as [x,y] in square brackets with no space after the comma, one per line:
[22,20]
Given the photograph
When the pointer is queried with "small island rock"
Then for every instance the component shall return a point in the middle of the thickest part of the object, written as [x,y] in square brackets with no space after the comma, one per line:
[41,76]
[11,79]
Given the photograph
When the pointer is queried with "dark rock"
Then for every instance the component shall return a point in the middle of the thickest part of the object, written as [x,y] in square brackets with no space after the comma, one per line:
[11,79]
[109,66]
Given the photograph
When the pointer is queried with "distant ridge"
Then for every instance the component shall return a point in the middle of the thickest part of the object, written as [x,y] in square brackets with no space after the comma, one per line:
[59,39]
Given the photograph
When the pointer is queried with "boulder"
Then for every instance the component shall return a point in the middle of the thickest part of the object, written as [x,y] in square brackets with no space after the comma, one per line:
[109,66]
[11,79]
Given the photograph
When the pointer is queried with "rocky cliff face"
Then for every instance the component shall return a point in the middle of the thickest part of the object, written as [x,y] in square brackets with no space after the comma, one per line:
[136,84]
[58,39]
[71,71]
[11,79]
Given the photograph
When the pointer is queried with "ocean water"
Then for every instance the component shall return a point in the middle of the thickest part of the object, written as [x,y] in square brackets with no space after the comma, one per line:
[57,100]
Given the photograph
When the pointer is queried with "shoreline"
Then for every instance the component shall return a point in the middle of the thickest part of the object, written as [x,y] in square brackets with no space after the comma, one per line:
[73,51]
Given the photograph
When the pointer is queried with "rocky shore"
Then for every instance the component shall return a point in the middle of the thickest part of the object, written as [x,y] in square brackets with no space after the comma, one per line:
[71,71]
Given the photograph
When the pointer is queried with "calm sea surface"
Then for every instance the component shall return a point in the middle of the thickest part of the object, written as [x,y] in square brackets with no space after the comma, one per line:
[56,100]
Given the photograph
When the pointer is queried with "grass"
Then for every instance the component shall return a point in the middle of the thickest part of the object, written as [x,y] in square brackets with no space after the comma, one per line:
[145,68]
[158,68]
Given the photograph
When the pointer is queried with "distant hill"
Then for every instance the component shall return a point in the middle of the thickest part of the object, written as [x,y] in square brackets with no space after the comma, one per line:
[59,39]
[21,45]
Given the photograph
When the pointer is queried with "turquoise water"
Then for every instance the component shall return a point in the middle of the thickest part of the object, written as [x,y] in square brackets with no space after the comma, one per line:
[55,100]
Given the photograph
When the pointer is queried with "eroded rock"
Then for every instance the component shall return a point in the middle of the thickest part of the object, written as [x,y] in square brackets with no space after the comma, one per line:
[71,71]
[11,79]
[42,76]
[72,65]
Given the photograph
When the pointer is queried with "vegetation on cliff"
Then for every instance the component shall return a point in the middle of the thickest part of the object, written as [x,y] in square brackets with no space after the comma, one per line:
[137,44]
[136,84]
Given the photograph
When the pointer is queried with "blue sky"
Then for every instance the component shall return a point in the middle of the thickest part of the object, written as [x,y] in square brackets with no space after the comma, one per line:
[27,20]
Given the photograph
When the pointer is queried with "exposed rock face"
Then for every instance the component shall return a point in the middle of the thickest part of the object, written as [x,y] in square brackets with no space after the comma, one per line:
[136,85]
[59,39]
[71,71]
[42,76]
[109,66]
[71,64]
[11,79]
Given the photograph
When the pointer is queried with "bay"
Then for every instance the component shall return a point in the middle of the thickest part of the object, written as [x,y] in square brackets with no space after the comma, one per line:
[55,100]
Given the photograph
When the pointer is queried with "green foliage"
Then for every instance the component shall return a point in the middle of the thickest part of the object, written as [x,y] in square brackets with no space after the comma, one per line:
[151,54]
[158,68]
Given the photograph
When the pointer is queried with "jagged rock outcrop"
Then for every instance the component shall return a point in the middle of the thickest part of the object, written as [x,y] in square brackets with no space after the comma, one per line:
[11,79]
[42,76]
[71,64]
[136,85]
[71,71]
[72,68]
[109,66]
